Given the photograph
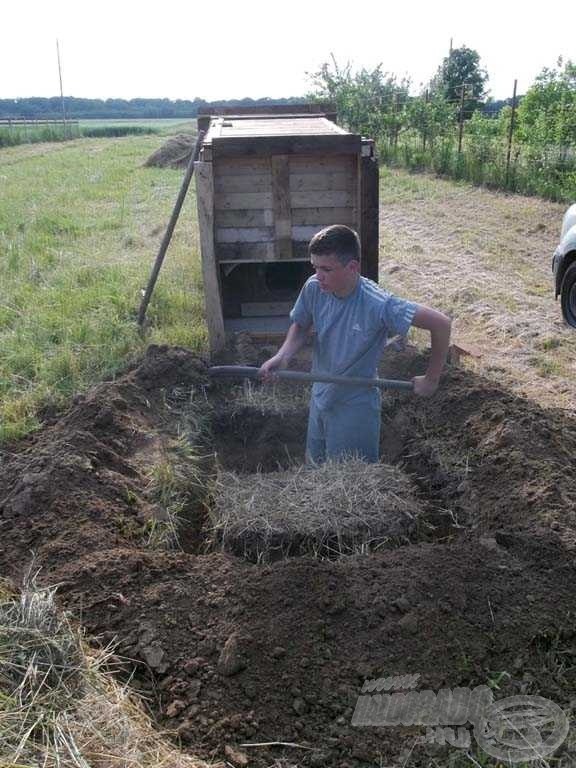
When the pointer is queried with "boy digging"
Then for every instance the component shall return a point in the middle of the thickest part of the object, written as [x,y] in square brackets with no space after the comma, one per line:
[352,319]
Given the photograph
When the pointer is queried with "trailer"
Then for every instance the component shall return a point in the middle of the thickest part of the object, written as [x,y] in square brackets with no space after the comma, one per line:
[265,185]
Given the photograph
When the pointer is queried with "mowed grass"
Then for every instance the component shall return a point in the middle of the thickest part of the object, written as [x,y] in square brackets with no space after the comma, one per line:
[80,225]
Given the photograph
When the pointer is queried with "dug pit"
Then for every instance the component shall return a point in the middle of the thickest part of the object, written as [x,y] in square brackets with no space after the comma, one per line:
[230,652]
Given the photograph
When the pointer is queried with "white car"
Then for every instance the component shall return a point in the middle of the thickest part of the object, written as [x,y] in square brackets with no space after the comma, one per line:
[564,267]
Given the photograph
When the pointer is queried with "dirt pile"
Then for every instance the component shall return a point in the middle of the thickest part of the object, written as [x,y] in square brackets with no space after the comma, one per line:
[231,652]
[79,484]
[175,153]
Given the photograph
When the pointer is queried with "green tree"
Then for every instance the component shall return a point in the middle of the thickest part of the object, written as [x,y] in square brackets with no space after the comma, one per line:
[547,113]
[461,69]
[371,102]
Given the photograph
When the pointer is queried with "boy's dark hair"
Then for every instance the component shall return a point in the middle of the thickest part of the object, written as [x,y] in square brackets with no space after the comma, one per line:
[339,241]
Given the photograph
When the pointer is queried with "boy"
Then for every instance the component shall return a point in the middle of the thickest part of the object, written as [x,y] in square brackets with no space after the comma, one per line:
[352,318]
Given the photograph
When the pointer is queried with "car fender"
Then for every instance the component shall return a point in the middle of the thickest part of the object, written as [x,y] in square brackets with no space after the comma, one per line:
[565,254]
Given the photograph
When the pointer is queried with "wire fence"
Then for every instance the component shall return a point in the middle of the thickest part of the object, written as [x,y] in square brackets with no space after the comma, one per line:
[464,139]
[15,131]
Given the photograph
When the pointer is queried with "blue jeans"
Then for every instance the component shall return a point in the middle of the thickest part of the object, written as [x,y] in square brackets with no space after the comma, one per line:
[347,428]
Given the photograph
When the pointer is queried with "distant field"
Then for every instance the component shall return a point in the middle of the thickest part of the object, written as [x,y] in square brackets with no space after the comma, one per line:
[34,133]
[168,125]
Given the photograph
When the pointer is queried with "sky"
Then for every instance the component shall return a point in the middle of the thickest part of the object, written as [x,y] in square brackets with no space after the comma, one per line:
[252,48]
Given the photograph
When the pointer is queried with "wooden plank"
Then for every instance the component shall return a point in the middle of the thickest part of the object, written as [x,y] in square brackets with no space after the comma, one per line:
[254,218]
[245,146]
[243,201]
[255,182]
[281,206]
[306,233]
[302,257]
[244,252]
[370,214]
[321,181]
[244,234]
[320,164]
[305,199]
[234,166]
[212,292]
[300,250]
[266,308]
[306,108]
[308,217]
[357,205]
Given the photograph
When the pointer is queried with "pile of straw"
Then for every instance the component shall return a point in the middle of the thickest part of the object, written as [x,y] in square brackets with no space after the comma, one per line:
[338,508]
[57,705]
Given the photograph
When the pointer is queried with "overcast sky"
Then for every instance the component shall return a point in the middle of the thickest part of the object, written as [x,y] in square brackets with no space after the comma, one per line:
[219,50]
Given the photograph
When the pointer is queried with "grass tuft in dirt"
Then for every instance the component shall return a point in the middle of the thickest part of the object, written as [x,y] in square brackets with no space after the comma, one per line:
[57,705]
[338,508]
[179,485]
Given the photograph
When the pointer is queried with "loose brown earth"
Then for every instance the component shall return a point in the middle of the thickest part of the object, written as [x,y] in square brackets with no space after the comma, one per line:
[230,652]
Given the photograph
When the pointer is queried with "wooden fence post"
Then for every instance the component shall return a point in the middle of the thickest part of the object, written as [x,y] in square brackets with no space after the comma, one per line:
[511,133]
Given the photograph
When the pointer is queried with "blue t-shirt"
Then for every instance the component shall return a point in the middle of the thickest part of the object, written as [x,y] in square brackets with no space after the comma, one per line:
[350,335]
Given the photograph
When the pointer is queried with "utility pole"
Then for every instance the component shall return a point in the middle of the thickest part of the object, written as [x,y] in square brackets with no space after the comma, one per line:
[61,89]
[511,133]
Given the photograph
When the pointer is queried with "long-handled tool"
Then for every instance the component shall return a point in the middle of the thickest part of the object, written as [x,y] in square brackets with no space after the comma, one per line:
[250,372]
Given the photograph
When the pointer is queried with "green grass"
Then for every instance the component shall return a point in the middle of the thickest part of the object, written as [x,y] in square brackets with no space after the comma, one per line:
[80,225]
[162,125]
[32,134]
[531,173]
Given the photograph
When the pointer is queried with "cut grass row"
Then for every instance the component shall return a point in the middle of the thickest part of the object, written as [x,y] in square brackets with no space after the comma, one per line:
[80,224]
[34,134]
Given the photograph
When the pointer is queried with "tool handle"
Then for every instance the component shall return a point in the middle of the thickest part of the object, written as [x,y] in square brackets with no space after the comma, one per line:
[346,380]
[251,372]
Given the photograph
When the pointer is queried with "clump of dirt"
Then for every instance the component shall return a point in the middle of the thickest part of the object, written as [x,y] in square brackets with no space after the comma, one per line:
[175,153]
[229,651]
[79,484]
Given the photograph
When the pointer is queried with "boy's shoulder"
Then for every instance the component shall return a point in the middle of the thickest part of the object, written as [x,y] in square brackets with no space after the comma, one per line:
[373,292]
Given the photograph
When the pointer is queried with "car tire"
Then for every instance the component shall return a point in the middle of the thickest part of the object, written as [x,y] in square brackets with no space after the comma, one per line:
[568,295]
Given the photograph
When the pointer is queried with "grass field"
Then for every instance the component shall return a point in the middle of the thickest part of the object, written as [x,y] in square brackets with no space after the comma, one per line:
[80,224]
[32,133]
[162,125]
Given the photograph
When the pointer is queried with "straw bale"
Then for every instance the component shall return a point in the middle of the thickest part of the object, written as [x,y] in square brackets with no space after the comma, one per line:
[337,508]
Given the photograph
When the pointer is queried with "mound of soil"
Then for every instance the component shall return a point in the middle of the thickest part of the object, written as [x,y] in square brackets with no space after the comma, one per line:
[175,153]
[230,652]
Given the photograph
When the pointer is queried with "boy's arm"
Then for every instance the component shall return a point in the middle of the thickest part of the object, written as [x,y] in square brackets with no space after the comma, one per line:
[439,326]
[295,340]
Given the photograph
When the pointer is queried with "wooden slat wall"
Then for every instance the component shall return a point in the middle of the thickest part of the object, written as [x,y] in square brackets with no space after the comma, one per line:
[270,208]
[205,200]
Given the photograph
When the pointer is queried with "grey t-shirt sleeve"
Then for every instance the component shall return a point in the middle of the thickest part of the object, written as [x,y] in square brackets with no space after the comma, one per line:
[397,314]
[302,310]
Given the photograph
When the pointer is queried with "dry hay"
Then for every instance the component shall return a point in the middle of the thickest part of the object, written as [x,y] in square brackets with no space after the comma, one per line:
[175,153]
[58,708]
[335,509]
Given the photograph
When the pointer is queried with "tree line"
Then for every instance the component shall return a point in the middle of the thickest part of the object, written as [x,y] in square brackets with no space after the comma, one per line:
[525,144]
[37,108]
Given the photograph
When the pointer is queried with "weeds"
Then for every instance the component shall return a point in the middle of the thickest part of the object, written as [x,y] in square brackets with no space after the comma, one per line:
[178,485]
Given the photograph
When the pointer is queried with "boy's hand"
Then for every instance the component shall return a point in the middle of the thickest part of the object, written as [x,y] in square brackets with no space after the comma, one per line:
[268,369]
[425,386]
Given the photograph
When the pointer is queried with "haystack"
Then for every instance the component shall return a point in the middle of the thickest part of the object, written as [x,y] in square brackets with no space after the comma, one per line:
[175,153]
[338,508]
